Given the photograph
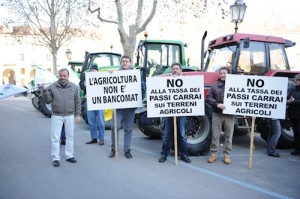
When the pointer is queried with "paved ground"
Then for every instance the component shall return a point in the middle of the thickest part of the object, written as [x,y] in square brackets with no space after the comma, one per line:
[26,170]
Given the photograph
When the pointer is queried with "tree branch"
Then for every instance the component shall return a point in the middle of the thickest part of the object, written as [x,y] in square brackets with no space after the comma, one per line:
[147,21]
[98,10]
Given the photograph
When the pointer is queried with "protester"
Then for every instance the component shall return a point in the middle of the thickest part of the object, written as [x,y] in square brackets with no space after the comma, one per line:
[64,96]
[169,129]
[215,98]
[96,121]
[123,115]
[294,113]
[274,135]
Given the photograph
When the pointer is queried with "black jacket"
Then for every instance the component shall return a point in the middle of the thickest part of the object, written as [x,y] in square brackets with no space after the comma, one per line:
[216,95]
[294,108]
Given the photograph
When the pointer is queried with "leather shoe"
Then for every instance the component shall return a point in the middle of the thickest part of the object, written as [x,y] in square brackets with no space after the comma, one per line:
[112,154]
[56,163]
[274,155]
[212,158]
[227,159]
[162,159]
[295,152]
[128,155]
[72,160]
[92,141]
[186,159]
[101,142]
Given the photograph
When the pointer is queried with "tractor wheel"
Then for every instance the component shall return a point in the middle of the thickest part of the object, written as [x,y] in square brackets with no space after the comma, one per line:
[84,111]
[43,107]
[35,99]
[35,102]
[198,132]
[149,126]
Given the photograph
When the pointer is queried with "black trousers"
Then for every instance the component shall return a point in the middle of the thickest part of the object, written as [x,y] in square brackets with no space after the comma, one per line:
[296,129]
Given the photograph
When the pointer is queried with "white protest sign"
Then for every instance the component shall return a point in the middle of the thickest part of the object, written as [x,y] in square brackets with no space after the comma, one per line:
[256,96]
[116,90]
[175,96]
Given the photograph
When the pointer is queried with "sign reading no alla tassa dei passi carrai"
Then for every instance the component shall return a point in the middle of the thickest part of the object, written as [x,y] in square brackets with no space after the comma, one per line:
[175,96]
[113,90]
[257,96]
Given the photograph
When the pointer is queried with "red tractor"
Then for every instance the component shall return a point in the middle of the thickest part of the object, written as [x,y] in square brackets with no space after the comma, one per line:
[245,54]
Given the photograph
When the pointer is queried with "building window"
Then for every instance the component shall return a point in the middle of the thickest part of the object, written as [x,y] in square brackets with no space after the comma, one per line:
[22,71]
[22,57]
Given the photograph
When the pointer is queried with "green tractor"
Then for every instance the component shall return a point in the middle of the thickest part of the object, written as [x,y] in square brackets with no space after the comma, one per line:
[155,57]
[76,66]
[106,61]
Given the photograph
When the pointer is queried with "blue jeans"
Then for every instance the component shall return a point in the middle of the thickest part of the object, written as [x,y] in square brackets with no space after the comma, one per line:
[169,135]
[274,135]
[96,121]
[126,116]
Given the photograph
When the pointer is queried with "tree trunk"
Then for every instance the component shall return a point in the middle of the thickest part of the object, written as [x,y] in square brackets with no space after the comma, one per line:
[128,41]
[54,63]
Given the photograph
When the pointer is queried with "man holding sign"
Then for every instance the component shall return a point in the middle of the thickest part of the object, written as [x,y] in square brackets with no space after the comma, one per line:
[168,130]
[215,98]
[123,115]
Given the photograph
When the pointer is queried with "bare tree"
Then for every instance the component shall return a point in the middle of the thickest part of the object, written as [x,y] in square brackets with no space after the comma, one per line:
[49,20]
[140,13]
[128,40]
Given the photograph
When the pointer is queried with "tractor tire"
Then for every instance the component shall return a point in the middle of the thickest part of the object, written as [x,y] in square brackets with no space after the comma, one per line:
[149,126]
[35,102]
[84,111]
[43,107]
[35,99]
[286,140]
[198,132]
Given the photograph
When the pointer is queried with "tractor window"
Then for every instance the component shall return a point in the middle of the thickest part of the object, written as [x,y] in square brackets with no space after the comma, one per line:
[252,59]
[277,57]
[106,60]
[220,57]
[160,56]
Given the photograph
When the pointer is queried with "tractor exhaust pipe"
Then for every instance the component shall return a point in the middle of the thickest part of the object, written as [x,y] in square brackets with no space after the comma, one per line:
[202,50]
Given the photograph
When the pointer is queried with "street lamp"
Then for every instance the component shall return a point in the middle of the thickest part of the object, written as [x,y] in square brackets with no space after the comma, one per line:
[238,10]
[69,54]
[145,34]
